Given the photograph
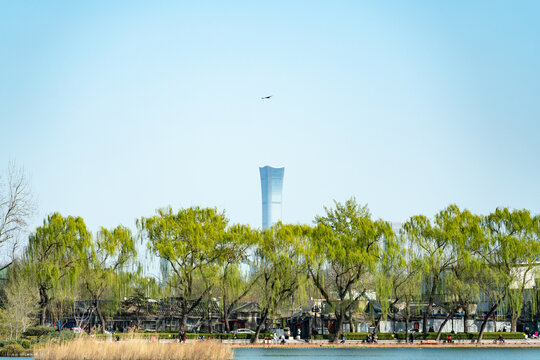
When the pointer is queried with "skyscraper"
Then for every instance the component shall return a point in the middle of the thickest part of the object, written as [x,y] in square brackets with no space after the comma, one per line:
[271,188]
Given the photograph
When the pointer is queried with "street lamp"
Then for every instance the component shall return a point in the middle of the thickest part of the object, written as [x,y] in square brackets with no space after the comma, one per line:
[316,309]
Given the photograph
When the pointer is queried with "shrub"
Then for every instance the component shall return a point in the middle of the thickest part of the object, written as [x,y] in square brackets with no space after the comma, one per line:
[12,350]
[461,336]
[426,336]
[27,344]
[7,342]
[362,336]
[39,331]
[224,336]
[58,336]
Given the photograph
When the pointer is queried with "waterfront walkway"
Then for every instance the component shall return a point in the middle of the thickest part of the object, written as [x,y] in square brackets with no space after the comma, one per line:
[380,343]
[388,343]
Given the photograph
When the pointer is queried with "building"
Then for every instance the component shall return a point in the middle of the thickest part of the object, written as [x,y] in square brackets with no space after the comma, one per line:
[271,188]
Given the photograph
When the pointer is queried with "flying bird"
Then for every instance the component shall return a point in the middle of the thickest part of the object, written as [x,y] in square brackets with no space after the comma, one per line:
[267,97]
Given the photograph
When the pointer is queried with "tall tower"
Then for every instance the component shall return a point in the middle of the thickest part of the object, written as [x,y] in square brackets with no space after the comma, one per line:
[271,188]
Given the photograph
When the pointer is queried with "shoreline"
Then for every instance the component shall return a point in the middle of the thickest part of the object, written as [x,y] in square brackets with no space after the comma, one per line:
[515,344]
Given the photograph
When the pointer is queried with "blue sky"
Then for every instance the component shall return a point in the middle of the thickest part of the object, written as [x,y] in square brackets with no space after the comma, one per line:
[118,108]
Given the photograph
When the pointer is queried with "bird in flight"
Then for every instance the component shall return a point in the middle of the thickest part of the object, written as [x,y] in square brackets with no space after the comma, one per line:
[267,97]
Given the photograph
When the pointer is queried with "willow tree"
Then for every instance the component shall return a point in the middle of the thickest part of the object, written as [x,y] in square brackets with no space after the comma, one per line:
[343,253]
[433,244]
[236,246]
[188,241]
[110,251]
[512,250]
[391,277]
[410,290]
[279,265]
[56,253]
[461,233]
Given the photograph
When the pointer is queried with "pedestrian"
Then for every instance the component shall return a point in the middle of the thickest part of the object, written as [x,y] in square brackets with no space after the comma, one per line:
[411,337]
[343,338]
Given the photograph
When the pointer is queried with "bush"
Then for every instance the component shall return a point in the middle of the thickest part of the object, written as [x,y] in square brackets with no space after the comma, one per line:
[362,336]
[58,336]
[27,344]
[7,342]
[426,336]
[12,350]
[39,331]
[223,336]
[461,336]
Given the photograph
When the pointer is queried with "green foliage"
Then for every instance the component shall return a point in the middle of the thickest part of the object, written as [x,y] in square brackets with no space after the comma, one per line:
[39,331]
[56,254]
[108,254]
[12,350]
[457,256]
[514,249]
[27,344]
[463,336]
[224,336]
[189,241]
[445,249]
[236,245]
[425,336]
[343,254]
[58,336]
[279,266]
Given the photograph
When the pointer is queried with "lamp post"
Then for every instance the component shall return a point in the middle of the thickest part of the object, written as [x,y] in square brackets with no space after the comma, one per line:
[315,310]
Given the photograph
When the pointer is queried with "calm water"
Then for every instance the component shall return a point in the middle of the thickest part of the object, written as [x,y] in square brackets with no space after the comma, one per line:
[383,354]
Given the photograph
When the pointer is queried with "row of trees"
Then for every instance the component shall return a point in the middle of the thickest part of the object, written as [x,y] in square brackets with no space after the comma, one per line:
[456,259]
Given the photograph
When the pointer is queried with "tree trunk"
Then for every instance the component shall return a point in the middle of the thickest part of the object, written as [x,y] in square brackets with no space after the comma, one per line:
[407,317]
[376,325]
[338,326]
[43,303]
[183,322]
[484,323]
[100,315]
[259,325]
[513,324]
[210,320]
[226,320]
[466,319]
[450,314]
[427,313]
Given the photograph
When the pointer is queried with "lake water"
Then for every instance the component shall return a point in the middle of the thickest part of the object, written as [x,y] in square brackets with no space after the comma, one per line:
[388,353]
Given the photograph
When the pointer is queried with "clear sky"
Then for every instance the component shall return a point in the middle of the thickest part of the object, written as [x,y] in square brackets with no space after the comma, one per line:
[118,108]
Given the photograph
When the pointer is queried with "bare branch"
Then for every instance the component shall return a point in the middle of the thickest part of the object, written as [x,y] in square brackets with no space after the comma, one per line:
[16,208]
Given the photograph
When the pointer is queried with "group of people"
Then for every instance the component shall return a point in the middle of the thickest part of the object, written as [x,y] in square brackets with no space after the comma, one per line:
[181,336]
[370,338]
[281,339]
